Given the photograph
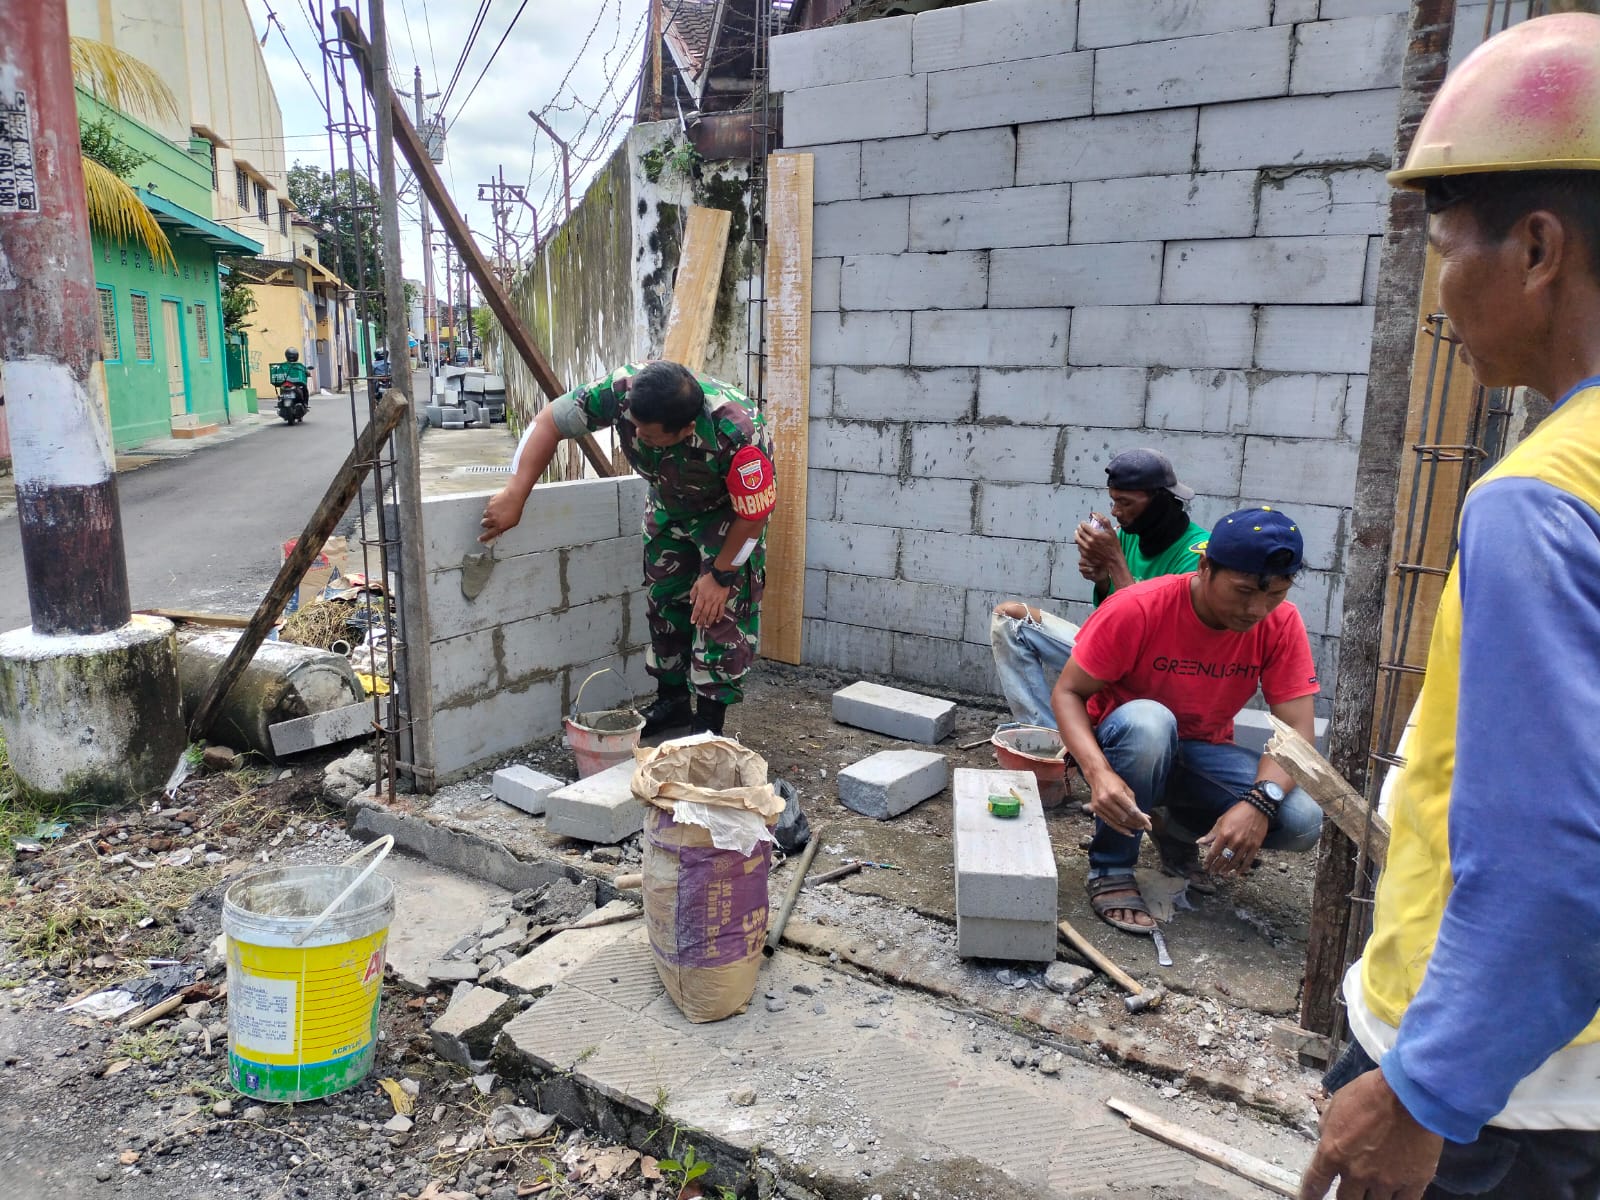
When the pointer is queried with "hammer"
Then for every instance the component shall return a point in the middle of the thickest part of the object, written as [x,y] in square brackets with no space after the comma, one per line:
[1138,998]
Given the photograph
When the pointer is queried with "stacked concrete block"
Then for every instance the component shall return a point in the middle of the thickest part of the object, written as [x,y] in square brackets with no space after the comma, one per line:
[894,712]
[890,782]
[601,808]
[524,788]
[1005,871]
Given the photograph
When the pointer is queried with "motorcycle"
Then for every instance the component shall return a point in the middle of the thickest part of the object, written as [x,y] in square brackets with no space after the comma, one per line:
[294,397]
[382,376]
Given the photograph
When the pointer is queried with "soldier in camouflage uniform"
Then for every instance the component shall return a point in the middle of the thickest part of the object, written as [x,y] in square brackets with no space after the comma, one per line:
[705,449]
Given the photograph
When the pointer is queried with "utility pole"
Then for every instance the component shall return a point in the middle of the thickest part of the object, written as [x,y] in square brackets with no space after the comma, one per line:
[97,668]
[430,327]
[500,195]
[566,161]
[656,34]
[409,715]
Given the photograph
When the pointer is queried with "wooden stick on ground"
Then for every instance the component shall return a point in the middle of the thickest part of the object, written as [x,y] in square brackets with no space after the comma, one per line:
[1098,960]
[1257,1171]
[1343,804]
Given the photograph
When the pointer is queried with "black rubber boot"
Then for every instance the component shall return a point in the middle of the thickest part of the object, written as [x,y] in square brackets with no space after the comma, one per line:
[709,715]
[670,711]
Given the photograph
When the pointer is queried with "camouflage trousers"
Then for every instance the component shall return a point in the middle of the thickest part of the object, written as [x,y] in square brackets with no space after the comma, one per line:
[713,660]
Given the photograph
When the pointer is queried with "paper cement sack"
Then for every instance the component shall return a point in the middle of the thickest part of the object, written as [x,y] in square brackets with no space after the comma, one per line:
[707,853]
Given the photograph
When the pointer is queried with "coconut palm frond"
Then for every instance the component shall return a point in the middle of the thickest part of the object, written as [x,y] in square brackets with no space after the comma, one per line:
[116,212]
[116,78]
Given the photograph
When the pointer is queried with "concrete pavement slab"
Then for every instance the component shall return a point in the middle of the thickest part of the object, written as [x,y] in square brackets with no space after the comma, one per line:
[434,910]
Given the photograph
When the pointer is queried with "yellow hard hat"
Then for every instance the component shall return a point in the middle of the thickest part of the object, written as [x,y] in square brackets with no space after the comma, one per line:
[1528,99]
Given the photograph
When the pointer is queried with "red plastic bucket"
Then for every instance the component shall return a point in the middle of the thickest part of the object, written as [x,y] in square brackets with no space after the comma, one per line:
[601,739]
[1038,750]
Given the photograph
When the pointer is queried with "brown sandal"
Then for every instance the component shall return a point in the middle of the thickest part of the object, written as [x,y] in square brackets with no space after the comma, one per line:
[1118,893]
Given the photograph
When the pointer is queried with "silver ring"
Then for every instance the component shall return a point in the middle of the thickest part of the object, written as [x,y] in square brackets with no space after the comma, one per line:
[1227,853]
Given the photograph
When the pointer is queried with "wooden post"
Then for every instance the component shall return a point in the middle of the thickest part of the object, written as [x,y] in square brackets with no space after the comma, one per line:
[1360,822]
[1394,338]
[788,317]
[391,410]
[455,227]
[694,292]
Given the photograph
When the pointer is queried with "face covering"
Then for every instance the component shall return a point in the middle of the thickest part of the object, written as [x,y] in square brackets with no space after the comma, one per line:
[1162,523]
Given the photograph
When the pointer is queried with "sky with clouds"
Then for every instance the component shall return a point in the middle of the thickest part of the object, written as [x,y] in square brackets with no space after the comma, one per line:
[574,61]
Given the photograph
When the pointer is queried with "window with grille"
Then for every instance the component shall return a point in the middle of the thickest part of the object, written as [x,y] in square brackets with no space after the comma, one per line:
[202,329]
[242,183]
[283,220]
[110,345]
[261,202]
[216,186]
[141,327]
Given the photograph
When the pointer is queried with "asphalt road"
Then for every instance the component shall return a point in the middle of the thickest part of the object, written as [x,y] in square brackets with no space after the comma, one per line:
[203,531]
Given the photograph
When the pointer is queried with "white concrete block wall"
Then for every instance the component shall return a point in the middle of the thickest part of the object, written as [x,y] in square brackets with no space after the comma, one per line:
[564,599]
[1064,228]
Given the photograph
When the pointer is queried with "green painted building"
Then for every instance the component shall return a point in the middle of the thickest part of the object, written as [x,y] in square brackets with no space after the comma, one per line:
[161,325]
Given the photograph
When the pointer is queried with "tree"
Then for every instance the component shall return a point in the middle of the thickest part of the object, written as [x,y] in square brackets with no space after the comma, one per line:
[328,202]
[238,302]
[120,81]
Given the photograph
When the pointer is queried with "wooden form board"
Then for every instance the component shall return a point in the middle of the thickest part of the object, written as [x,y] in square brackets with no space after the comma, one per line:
[694,292]
[788,393]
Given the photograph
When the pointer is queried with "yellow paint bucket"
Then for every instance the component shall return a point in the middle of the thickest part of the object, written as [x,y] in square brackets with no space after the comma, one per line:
[305,971]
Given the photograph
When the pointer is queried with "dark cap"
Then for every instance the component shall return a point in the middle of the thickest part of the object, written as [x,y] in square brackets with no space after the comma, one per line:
[1145,470]
[1246,540]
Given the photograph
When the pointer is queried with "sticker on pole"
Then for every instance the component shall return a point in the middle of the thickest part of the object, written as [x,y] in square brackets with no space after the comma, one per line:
[18,190]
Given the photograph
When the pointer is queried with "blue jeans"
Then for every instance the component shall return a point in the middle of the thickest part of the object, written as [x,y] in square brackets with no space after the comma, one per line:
[1195,781]
[1029,656]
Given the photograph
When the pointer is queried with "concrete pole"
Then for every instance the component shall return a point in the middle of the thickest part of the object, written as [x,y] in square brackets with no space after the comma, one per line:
[83,667]
[566,160]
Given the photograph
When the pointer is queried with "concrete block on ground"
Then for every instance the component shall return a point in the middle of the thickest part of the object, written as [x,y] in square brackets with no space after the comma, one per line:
[599,809]
[888,783]
[1104,396]
[1011,93]
[1331,340]
[894,712]
[860,339]
[990,338]
[860,227]
[1109,147]
[1350,127]
[841,54]
[1049,276]
[1265,270]
[1165,207]
[322,729]
[900,394]
[539,970]
[1240,65]
[854,112]
[913,281]
[1323,201]
[946,162]
[1005,868]
[1167,335]
[1119,22]
[452,972]
[524,788]
[1001,31]
[464,1033]
[1067,978]
[983,220]
[1352,55]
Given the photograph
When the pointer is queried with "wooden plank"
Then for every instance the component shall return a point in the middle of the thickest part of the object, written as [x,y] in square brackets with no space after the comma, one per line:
[1246,1166]
[694,292]
[455,228]
[1343,804]
[322,729]
[788,393]
[184,616]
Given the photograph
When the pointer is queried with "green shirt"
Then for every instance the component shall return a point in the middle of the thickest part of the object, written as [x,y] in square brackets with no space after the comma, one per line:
[1180,557]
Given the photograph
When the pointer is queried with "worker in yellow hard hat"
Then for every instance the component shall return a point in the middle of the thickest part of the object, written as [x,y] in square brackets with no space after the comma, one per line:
[1475,1065]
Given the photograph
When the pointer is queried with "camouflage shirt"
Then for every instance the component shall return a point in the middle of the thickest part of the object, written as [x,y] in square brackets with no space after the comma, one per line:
[685,479]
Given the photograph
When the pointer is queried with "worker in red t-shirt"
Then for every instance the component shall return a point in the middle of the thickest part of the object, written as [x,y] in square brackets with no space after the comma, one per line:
[1146,703]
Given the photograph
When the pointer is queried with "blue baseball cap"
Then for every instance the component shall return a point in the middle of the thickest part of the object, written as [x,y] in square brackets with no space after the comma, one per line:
[1254,541]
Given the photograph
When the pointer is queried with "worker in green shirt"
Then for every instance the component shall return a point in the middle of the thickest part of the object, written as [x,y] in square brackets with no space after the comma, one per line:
[1153,536]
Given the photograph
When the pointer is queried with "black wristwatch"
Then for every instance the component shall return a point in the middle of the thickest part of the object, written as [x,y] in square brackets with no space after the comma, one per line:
[723,578]
[1265,797]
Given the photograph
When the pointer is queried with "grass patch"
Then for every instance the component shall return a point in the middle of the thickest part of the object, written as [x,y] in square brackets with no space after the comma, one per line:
[153,1046]
[95,912]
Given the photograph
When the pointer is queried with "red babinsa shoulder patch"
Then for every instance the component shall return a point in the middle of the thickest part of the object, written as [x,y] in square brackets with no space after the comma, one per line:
[752,486]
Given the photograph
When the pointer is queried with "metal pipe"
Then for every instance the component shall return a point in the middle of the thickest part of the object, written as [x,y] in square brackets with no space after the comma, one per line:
[775,930]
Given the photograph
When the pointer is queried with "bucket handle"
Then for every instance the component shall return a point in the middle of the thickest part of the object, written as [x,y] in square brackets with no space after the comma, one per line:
[577,701]
[383,845]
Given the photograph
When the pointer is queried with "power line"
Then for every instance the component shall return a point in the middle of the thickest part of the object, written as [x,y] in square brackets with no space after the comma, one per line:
[466,49]
[427,24]
[468,98]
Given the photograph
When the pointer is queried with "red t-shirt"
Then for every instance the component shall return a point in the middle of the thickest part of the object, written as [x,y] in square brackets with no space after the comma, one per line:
[1146,643]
